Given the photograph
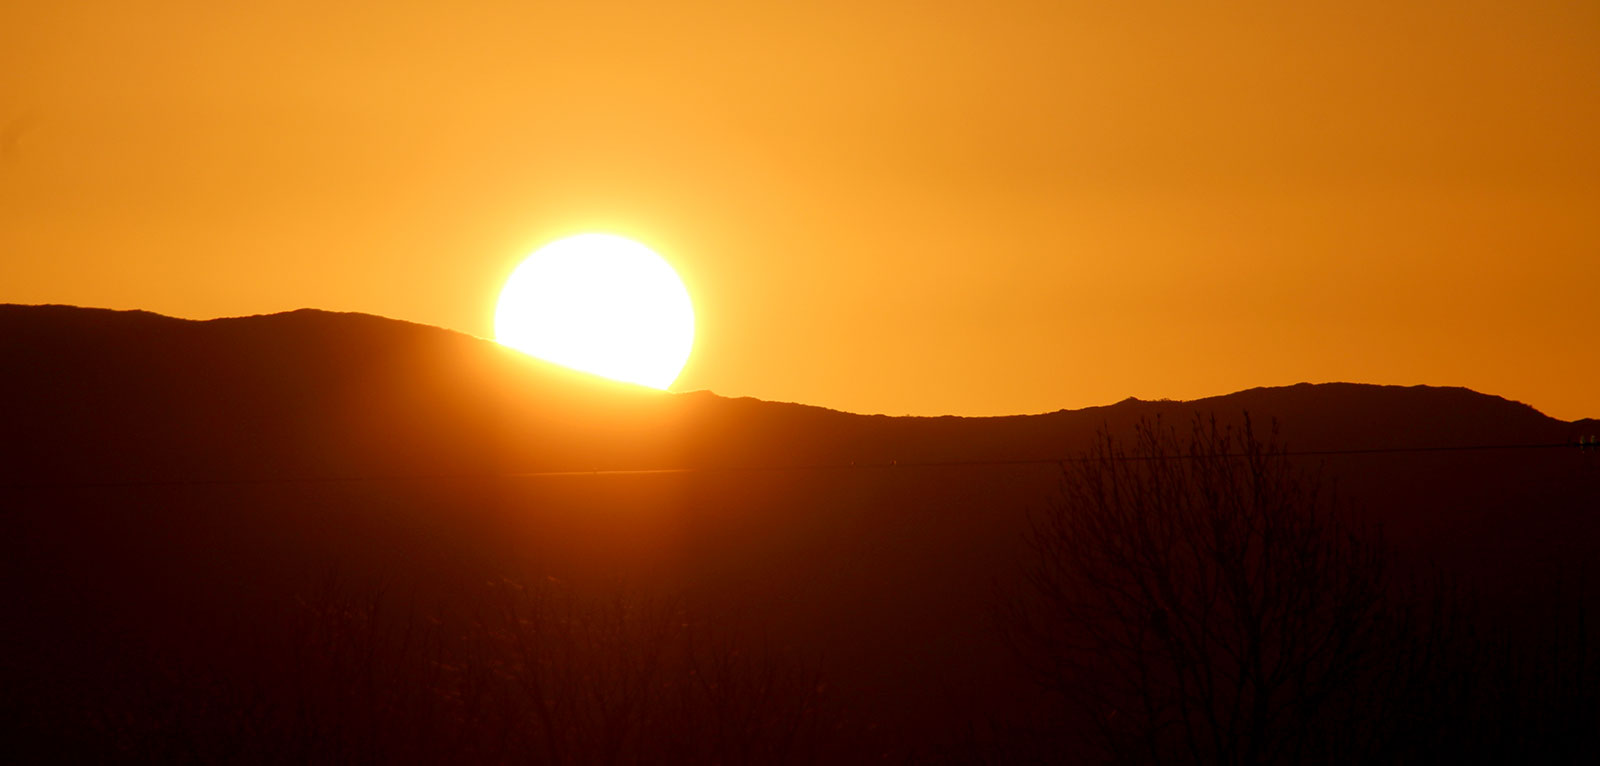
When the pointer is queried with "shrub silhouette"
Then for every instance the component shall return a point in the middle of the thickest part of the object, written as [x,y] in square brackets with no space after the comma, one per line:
[514,670]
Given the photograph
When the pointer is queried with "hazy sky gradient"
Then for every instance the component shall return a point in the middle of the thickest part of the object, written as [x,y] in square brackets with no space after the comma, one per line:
[930,208]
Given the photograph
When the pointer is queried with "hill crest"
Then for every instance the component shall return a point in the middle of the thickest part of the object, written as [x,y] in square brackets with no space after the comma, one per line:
[130,394]
[60,317]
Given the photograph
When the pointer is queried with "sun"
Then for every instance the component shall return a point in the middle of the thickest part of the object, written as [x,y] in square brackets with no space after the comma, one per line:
[602,304]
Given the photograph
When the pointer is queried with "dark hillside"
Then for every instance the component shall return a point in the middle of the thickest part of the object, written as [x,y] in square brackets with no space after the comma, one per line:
[169,485]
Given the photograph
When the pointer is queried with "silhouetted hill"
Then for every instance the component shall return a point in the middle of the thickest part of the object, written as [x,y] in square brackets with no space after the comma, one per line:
[165,479]
[109,396]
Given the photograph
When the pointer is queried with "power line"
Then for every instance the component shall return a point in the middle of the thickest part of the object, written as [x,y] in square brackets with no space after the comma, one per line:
[848,466]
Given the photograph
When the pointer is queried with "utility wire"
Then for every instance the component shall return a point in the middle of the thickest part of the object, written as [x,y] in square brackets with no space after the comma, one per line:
[850,466]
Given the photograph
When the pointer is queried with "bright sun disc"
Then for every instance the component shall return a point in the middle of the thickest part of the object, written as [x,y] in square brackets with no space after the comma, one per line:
[602,304]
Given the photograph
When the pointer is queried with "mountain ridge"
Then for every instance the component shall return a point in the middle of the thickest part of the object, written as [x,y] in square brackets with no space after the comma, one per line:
[97,394]
[8,311]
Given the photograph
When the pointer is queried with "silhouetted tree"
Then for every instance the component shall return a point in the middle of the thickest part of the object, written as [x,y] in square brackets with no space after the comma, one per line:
[1202,600]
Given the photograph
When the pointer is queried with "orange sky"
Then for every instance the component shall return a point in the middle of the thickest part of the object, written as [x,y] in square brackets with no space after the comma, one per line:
[918,207]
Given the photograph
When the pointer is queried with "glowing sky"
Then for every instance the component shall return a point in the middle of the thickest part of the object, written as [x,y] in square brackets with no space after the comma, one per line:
[933,208]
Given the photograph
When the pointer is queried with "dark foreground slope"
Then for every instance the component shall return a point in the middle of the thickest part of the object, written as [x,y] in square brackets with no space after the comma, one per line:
[170,487]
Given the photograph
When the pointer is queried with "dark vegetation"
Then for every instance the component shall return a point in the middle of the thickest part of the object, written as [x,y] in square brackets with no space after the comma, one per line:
[307,537]
[514,671]
[1199,599]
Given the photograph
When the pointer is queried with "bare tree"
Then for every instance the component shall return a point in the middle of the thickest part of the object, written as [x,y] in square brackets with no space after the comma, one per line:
[1201,600]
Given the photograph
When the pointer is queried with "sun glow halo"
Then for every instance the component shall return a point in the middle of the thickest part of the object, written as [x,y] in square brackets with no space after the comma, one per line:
[602,304]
